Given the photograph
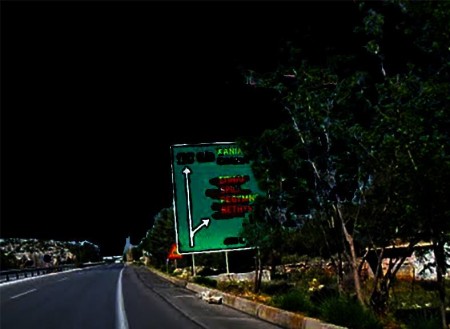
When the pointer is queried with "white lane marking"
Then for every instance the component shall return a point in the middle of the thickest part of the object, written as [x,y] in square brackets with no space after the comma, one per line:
[63,279]
[121,320]
[184,296]
[14,281]
[24,293]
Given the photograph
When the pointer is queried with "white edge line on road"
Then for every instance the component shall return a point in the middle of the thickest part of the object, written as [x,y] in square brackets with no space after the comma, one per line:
[22,294]
[7,283]
[121,320]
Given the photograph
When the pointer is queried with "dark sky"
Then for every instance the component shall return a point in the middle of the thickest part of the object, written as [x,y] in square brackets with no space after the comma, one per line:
[94,94]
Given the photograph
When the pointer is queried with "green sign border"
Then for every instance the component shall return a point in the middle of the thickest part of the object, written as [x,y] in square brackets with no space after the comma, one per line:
[213,191]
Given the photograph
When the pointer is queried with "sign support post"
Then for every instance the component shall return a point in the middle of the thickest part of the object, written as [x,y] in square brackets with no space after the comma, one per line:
[226,261]
[193,266]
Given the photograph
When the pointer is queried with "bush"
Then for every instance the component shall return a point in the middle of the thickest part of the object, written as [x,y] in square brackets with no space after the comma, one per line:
[275,287]
[206,271]
[294,300]
[205,281]
[424,323]
[293,258]
[421,318]
[317,273]
[349,313]
[235,287]
[320,295]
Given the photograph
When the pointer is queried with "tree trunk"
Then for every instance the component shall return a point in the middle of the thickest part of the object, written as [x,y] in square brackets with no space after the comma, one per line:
[354,263]
[274,262]
[380,295]
[340,276]
[260,276]
[258,273]
[255,284]
[375,296]
[439,255]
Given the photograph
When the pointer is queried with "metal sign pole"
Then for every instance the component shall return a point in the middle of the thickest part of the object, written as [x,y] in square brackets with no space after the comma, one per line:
[193,266]
[226,262]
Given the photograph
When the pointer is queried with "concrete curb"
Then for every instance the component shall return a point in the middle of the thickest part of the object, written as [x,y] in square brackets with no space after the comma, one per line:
[282,318]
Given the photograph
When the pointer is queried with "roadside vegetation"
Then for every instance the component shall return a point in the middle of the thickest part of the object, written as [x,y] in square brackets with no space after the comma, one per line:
[311,290]
[356,174]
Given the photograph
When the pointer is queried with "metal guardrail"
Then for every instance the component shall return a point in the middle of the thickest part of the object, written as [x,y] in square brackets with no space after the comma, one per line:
[17,274]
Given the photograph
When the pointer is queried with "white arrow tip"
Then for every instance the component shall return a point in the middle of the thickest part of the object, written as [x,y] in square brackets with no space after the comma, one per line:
[205,221]
[186,171]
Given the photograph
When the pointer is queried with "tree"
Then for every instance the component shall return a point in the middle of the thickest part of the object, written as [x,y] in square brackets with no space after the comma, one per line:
[160,237]
[85,252]
[262,231]
[411,130]
[7,260]
[364,145]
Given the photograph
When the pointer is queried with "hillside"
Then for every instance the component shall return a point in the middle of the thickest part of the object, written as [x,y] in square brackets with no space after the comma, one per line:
[16,253]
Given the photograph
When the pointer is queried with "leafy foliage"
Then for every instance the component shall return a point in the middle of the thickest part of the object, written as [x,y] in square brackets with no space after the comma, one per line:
[85,252]
[363,153]
[349,313]
[160,238]
[293,300]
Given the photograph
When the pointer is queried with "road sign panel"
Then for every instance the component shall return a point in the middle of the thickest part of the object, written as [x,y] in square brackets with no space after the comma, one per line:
[214,190]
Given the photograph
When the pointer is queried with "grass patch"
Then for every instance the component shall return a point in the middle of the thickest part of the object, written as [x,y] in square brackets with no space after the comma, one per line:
[294,300]
[349,313]
[235,287]
[277,287]
[420,318]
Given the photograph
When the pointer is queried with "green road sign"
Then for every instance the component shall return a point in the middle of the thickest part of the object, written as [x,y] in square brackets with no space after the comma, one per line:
[214,190]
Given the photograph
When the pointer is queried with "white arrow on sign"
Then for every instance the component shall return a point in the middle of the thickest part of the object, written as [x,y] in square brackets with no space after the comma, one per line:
[205,221]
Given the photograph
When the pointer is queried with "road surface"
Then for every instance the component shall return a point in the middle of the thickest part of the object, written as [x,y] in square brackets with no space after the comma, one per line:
[112,297]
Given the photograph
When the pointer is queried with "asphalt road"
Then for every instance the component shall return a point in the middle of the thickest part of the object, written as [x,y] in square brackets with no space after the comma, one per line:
[112,297]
